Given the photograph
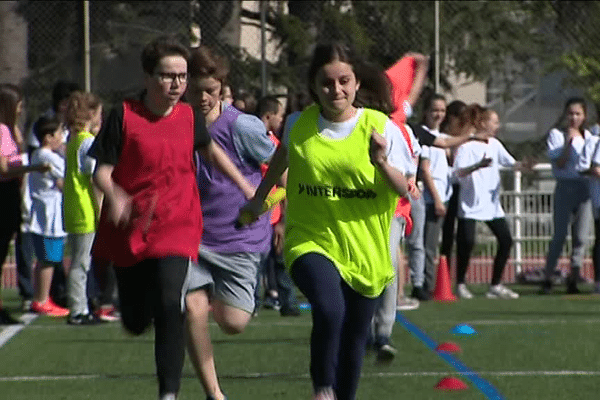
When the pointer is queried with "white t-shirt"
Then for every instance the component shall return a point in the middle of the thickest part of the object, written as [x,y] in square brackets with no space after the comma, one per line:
[46,197]
[398,153]
[556,142]
[591,157]
[439,169]
[479,196]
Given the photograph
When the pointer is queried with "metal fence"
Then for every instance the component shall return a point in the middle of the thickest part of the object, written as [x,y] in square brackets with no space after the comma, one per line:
[505,54]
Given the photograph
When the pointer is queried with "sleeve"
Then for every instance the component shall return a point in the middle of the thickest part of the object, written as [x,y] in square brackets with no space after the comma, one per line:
[86,163]
[401,76]
[426,152]
[555,142]
[398,152]
[251,139]
[595,150]
[57,163]
[425,137]
[201,136]
[107,146]
[505,159]
[289,122]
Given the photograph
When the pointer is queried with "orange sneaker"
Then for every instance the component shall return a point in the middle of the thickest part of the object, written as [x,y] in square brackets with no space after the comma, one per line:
[49,308]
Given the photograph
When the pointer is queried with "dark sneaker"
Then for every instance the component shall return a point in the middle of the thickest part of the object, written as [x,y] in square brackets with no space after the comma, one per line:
[212,398]
[572,287]
[82,319]
[7,319]
[290,312]
[419,293]
[386,353]
[546,287]
[271,303]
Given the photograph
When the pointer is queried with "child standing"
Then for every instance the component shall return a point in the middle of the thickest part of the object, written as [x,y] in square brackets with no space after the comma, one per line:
[477,165]
[46,226]
[572,205]
[81,200]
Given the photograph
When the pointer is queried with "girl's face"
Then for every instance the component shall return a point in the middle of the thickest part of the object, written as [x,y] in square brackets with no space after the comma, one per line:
[435,114]
[492,124]
[575,115]
[335,86]
[205,93]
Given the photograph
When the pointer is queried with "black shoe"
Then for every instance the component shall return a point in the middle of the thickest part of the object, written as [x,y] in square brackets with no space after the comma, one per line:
[212,398]
[272,303]
[572,287]
[83,319]
[7,319]
[419,294]
[290,312]
[546,287]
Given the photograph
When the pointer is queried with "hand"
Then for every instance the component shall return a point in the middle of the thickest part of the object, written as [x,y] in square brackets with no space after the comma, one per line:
[250,212]
[485,162]
[377,149]
[527,164]
[249,191]
[278,236]
[119,207]
[413,190]
[439,208]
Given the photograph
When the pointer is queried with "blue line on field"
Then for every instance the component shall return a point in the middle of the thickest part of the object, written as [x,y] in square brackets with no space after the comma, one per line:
[484,386]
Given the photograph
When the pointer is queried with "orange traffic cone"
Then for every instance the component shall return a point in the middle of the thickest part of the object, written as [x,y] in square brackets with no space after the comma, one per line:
[443,289]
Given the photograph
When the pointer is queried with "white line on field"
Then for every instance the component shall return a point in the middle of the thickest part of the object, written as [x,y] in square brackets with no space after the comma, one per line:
[265,375]
[11,330]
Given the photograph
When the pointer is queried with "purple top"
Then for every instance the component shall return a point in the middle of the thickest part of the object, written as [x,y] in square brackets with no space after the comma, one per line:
[221,199]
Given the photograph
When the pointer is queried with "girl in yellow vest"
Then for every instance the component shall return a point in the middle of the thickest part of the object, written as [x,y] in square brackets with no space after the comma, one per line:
[81,201]
[346,170]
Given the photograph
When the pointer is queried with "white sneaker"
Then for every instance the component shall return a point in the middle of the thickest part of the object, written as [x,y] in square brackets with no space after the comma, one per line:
[168,396]
[407,303]
[501,292]
[463,292]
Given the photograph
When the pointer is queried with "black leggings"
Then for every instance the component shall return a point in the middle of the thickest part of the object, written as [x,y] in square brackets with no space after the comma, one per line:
[152,291]
[341,322]
[465,240]
[448,226]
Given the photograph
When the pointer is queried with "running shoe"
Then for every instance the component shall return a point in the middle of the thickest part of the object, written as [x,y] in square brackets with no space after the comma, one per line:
[463,292]
[49,308]
[501,292]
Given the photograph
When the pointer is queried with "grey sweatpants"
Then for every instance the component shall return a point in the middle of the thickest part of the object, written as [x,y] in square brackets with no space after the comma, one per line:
[385,313]
[572,205]
[81,260]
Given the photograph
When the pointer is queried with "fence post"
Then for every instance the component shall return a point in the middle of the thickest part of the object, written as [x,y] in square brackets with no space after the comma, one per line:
[518,261]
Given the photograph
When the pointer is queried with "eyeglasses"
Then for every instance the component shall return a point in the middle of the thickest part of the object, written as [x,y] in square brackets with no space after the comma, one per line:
[169,77]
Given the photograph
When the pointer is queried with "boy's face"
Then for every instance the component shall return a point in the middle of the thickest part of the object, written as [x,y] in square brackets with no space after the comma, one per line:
[275,121]
[56,139]
[168,82]
[205,93]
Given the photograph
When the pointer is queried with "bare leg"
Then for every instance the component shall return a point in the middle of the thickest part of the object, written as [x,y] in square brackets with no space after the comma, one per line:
[199,344]
[231,320]
[43,280]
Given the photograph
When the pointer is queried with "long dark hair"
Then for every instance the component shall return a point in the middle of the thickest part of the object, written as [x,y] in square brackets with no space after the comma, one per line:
[560,123]
[453,110]
[374,91]
[10,96]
